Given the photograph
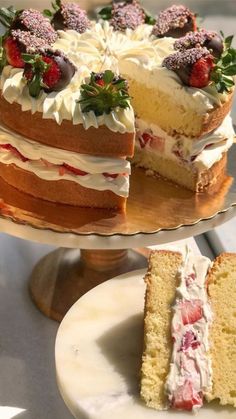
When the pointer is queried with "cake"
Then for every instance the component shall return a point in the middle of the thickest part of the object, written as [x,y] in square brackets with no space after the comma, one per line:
[189,331]
[74,94]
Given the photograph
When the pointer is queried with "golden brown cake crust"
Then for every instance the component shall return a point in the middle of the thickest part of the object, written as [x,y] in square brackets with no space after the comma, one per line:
[94,141]
[216,116]
[62,191]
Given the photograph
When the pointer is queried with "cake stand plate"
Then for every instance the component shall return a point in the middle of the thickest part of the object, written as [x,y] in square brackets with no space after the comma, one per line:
[98,355]
[157,212]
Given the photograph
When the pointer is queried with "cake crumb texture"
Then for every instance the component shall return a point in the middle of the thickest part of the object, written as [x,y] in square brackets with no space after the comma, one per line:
[222,293]
[162,280]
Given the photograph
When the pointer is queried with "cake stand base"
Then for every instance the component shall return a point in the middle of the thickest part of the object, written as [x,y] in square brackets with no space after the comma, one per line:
[63,276]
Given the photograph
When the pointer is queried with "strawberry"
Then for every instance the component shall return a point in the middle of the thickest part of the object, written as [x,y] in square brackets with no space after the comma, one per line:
[189,279]
[28,20]
[126,15]
[20,42]
[68,16]
[13,53]
[185,397]
[193,66]
[144,139]
[202,38]
[75,171]
[49,70]
[189,340]
[191,311]
[175,21]
[110,175]
[14,151]
[200,73]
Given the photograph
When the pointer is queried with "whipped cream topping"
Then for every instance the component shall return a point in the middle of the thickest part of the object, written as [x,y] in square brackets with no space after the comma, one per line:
[190,369]
[45,162]
[134,54]
[201,153]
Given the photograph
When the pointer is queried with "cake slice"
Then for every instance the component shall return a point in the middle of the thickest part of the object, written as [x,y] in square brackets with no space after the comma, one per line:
[221,283]
[189,337]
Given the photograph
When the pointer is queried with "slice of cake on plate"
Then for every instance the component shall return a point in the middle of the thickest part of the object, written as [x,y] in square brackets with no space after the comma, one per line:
[189,331]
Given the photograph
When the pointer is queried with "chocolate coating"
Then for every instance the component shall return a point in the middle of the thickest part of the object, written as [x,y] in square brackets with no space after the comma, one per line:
[67,70]
[215,46]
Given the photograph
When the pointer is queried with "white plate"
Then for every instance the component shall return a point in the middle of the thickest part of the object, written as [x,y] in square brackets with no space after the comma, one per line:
[98,352]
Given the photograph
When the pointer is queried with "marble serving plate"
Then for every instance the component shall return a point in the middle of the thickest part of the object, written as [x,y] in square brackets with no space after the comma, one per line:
[98,355]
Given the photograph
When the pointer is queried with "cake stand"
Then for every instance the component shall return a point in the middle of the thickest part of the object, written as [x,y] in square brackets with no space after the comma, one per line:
[157,212]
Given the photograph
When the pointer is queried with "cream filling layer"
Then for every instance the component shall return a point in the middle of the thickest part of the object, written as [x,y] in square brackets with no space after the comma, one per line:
[94,166]
[190,369]
[134,54]
[201,153]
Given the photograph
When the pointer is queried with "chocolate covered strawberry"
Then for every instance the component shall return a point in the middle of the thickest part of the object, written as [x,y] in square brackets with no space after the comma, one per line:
[28,20]
[197,67]
[21,42]
[68,16]
[203,38]
[48,70]
[175,21]
[193,66]
[126,15]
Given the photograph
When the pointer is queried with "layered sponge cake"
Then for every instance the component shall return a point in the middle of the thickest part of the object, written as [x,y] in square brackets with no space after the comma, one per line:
[189,331]
[76,93]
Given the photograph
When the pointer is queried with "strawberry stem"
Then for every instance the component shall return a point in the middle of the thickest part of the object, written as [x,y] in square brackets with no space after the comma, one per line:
[103,93]
[225,67]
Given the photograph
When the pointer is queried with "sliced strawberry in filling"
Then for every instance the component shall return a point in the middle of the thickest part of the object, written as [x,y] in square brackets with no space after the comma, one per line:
[144,139]
[185,397]
[75,171]
[191,311]
[113,176]
[189,340]
[14,151]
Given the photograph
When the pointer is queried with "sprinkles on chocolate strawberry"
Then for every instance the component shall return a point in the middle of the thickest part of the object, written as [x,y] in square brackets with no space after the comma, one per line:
[70,16]
[29,20]
[127,15]
[175,21]
[21,42]
[203,38]
[48,70]
[193,66]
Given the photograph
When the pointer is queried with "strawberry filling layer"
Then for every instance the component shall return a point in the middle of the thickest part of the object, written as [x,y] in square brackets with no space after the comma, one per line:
[62,169]
[190,370]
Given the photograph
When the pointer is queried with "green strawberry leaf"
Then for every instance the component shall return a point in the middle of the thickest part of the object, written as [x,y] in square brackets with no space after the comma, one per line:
[105,13]
[149,19]
[47,13]
[104,97]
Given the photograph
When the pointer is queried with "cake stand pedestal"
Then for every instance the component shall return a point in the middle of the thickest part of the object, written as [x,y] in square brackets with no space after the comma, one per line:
[158,212]
[64,275]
